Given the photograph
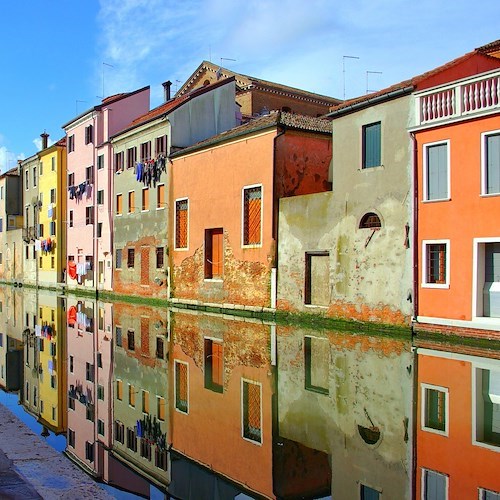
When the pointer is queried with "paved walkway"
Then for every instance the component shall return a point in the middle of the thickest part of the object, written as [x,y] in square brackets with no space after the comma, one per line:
[30,468]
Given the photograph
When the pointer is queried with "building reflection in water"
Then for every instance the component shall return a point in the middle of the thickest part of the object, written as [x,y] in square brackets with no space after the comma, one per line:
[208,406]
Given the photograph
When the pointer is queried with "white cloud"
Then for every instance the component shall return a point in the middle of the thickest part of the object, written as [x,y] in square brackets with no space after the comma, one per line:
[37,141]
[8,159]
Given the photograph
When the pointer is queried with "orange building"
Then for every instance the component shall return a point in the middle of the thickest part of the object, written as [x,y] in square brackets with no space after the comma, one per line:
[457,144]
[225,193]
[457,422]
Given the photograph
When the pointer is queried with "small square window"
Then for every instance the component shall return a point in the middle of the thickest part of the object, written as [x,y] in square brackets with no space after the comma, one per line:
[435,264]
[435,409]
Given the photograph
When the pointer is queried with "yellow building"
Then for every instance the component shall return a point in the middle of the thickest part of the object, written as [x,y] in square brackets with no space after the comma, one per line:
[51,242]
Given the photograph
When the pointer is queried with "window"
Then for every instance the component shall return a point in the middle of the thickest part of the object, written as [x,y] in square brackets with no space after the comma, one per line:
[214,365]
[181,387]
[118,336]
[99,229]
[71,143]
[131,202]
[181,223]
[34,177]
[131,340]
[71,438]
[131,439]
[161,458]
[100,427]
[252,215]
[146,150]
[100,392]
[436,172]
[214,253]
[119,204]
[488,495]
[491,163]
[119,390]
[90,412]
[491,288]
[89,451]
[89,215]
[52,228]
[160,196]
[367,493]
[100,197]
[71,404]
[317,364]
[53,195]
[370,221]
[434,485]
[160,408]
[161,145]
[100,162]
[160,253]
[145,402]
[145,449]
[487,407]
[71,179]
[251,411]
[71,218]
[119,432]
[131,157]
[118,258]
[145,199]
[130,257]
[1,225]
[372,145]
[131,395]
[435,409]
[89,134]
[53,164]
[119,161]
[435,264]
[89,174]
[317,278]
[52,349]
[89,372]
[40,230]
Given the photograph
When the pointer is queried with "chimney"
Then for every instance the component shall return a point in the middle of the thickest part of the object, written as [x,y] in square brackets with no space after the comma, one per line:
[45,140]
[166,90]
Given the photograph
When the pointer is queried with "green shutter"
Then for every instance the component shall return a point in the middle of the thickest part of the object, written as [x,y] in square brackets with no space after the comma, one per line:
[371,145]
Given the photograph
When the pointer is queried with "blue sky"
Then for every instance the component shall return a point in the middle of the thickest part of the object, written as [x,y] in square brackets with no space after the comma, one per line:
[52,53]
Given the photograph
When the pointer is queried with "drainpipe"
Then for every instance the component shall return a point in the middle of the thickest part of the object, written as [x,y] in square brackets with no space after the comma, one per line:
[415,227]
[275,219]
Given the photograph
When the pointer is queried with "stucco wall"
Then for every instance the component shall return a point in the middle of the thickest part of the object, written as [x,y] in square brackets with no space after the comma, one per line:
[370,271]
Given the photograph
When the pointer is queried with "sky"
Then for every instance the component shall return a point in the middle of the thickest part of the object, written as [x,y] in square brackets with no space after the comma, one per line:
[59,58]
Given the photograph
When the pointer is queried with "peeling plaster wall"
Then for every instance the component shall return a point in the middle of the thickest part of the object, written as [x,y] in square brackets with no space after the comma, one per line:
[366,376]
[370,272]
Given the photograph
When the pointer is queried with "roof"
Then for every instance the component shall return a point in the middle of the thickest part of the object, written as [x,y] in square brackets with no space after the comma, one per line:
[273,119]
[408,86]
[105,102]
[12,171]
[169,106]
[489,48]
[246,82]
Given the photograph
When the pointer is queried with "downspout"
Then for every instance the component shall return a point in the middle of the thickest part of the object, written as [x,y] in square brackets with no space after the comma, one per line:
[95,263]
[415,228]
[275,220]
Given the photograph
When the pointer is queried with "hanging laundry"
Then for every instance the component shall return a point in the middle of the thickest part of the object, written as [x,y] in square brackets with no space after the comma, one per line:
[38,330]
[50,211]
[38,245]
[72,269]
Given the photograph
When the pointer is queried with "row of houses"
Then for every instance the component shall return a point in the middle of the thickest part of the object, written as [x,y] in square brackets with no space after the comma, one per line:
[243,193]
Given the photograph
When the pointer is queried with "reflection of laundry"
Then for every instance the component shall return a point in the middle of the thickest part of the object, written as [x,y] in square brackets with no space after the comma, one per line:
[38,245]
[38,330]
[50,364]
[50,211]
[72,269]
[81,268]
[72,315]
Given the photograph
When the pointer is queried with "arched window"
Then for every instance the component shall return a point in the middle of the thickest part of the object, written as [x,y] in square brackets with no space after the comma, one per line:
[206,82]
[370,221]
[286,109]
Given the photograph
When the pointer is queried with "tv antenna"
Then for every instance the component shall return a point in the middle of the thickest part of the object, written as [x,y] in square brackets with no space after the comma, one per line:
[109,66]
[343,68]
[371,73]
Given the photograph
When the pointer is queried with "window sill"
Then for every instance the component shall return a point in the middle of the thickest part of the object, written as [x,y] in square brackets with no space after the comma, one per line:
[255,245]
[160,208]
[435,285]
[435,431]
[489,195]
[315,306]
[213,280]
[375,168]
[436,200]
[182,249]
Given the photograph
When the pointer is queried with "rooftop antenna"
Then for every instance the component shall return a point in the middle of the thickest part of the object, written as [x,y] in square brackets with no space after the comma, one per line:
[226,59]
[371,73]
[109,66]
[76,106]
[177,85]
[343,68]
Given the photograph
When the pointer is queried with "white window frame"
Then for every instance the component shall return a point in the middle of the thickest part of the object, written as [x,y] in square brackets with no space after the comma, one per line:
[176,362]
[425,170]
[424,283]
[423,412]
[481,492]
[422,484]
[257,443]
[484,135]
[181,249]
[243,189]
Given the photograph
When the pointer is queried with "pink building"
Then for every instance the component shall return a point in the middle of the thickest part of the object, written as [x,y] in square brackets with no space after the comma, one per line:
[90,187]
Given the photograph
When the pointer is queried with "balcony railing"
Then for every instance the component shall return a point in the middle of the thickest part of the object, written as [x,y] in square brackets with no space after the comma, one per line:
[473,95]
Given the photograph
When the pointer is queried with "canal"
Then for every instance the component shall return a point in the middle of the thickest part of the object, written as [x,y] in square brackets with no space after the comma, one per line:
[157,402]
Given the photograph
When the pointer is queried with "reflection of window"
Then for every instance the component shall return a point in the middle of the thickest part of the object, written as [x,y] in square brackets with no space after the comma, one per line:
[131,395]
[317,278]
[214,253]
[89,215]
[488,407]
[160,408]
[435,408]
[317,364]
[252,418]
[71,438]
[119,432]
[367,493]
[214,365]
[131,439]
[89,372]
[145,401]
[89,451]
[119,390]
[252,215]
[100,427]
[181,387]
[145,449]
[161,458]
[435,485]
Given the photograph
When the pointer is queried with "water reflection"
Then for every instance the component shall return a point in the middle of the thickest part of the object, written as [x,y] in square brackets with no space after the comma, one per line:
[210,406]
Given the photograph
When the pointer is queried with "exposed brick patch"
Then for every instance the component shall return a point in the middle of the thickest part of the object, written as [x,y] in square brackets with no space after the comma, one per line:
[456,331]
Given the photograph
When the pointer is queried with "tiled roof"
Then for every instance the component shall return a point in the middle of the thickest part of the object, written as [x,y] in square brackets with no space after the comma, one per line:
[273,119]
[490,47]
[406,85]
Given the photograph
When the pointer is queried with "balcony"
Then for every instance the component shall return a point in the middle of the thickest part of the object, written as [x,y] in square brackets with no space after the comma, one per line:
[464,98]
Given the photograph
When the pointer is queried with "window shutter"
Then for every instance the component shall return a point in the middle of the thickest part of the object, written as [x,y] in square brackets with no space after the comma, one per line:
[372,147]
[437,172]
[435,485]
[493,164]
